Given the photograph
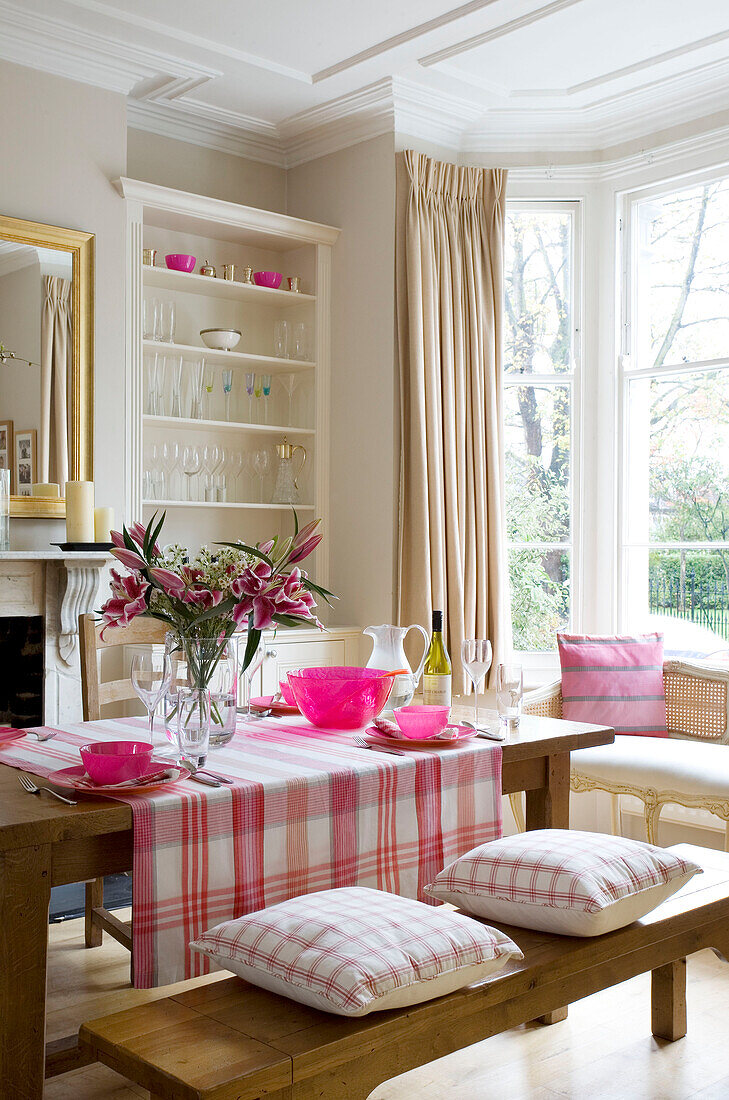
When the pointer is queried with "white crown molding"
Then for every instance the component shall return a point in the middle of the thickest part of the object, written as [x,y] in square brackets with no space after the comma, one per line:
[210,128]
[14,257]
[41,42]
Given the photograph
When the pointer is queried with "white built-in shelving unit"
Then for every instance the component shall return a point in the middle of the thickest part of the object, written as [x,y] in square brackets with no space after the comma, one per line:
[222,233]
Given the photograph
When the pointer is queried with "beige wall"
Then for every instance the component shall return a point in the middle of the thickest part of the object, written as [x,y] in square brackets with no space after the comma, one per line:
[62,143]
[187,167]
[355,190]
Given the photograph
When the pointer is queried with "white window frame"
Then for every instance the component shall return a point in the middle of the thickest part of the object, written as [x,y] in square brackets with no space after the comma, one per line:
[540,666]
[628,236]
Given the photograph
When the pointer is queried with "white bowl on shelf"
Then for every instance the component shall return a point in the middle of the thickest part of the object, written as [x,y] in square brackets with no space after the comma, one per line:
[220,339]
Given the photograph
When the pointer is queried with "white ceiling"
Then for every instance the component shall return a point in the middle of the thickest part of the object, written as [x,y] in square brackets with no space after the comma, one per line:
[288,80]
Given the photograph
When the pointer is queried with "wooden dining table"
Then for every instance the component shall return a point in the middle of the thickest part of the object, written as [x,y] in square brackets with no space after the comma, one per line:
[44,843]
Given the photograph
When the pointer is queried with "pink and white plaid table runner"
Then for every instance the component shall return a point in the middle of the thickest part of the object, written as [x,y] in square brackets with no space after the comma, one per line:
[308,811]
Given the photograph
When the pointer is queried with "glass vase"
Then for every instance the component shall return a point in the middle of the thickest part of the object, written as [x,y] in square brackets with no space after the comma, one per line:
[204,665]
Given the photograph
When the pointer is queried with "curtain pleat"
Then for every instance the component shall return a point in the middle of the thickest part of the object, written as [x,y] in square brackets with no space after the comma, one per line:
[56,355]
[450,287]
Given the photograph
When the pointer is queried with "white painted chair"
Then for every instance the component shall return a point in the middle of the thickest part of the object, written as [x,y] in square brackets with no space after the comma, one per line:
[689,768]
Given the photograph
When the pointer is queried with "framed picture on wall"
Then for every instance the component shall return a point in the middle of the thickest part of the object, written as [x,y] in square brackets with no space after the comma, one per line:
[7,450]
[25,461]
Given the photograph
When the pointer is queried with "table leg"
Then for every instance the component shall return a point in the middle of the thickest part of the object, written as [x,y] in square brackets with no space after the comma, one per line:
[94,899]
[548,807]
[25,894]
[668,1000]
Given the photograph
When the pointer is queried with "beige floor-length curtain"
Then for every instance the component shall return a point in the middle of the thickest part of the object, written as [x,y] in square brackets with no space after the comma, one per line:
[449,315]
[56,356]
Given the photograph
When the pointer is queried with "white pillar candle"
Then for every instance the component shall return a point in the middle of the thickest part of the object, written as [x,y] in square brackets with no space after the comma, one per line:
[79,511]
[103,523]
[45,489]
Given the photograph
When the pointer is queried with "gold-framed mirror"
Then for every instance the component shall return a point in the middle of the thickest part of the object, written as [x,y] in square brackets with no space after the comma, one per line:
[46,362]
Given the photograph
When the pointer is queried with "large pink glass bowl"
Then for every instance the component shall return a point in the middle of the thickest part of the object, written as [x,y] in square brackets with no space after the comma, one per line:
[116,761]
[340,697]
[271,279]
[180,261]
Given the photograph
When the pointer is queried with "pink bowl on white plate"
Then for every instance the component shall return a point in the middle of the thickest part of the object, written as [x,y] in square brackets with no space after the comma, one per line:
[108,762]
[286,693]
[420,723]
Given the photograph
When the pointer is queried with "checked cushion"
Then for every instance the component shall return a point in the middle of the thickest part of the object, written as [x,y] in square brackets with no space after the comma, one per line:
[354,950]
[563,881]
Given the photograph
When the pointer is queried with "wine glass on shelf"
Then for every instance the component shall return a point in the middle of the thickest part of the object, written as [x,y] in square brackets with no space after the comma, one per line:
[266,384]
[289,382]
[476,659]
[281,339]
[261,462]
[221,486]
[151,674]
[209,382]
[191,465]
[250,386]
[227,388]
[209,461]
[298,350]
[174,370]
[235,465]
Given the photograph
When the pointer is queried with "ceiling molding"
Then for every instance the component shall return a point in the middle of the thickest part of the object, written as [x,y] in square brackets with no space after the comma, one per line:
[210,128]
[14,257]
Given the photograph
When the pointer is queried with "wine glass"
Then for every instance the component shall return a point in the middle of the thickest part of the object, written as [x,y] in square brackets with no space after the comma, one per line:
[509,694]
[289,383]
[300,341]
[261,462]
[476,659]
[257,391]
[151,673]
[236,469]
[227,387]
[266,384]
[281,339]
[250,672]
[191,465]
[250,385]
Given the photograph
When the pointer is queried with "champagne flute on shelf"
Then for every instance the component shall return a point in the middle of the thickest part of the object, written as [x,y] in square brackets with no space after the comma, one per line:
[221,485]
[298,350]
[235,466]
[150,675]
[261,462]
[476,659]
[209,459]
[266,383]
[197,378]
[150,367]
[289,383]
[161,375]
[209,382]
[227,387]
[167,456]
[174,370]
[250,386]
[191,465]
[281,339]
[167,316]
[257,391]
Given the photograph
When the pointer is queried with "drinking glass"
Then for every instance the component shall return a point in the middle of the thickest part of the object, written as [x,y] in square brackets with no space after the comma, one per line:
[210,459]
[150,369]
[174,371]
[261,461]
[250,672]
[227,387]
[197,379]
[221,487]
[289,383]
[191,465]
[476,659]
[167,315]
[250,386]
[160,378]
[193,725]
[209,386]
[509,694]
[236,469]
[257,391]
[266,384]
[298,350]
[150,674]
[281,339]
[150,319]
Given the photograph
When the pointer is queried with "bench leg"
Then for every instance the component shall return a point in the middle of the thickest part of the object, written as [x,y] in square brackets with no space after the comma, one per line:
[555,1017]
[651,812]
[668,1001]
[94,900]
[616,823]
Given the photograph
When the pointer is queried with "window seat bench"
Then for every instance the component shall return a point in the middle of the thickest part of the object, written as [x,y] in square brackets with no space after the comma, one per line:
[689,768]
[229,1039]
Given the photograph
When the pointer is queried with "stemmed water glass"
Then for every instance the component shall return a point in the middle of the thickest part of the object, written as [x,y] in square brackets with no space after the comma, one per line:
[261,461]
[191,465]
[289,383]
[476,660]
[266,383]
[151,674]
[235,466]
[281,339]
[227,387]
[299,348]
[250,386]
[250,672]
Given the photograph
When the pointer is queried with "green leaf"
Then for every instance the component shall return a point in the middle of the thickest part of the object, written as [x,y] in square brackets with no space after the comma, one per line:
[212,612]
[291,620]
[157,530]
[323,592]
[296,522]
[129,542]
[248,550]
[254,638]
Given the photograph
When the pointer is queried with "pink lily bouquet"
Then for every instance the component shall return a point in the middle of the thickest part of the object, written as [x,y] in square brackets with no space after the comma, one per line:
[206,599]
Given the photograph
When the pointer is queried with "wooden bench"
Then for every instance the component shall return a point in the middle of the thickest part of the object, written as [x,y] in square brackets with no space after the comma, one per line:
[230,1040]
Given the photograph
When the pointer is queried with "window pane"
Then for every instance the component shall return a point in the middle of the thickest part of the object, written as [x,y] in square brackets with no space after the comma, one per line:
[538,300]
[678,467]
[684,593]
[540,597]
[682,278]
[537,446]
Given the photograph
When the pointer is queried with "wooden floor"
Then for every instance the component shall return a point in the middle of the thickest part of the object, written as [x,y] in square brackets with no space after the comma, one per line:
[603,1050]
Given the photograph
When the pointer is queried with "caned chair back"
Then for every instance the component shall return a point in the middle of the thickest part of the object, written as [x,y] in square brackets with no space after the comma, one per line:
[94,693]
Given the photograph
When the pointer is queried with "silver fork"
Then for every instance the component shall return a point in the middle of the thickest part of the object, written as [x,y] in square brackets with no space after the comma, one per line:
[29,786]
[42,736]
[362,744]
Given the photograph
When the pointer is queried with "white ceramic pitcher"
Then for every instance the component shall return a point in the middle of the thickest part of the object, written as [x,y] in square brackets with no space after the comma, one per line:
[388,653]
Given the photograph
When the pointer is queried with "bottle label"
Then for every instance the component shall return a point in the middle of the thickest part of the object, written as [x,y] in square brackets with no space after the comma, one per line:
[437,690]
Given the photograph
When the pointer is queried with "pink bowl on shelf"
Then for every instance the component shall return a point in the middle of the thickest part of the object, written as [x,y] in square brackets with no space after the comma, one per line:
[422,722]
[116,761]
[341,697]
[180,261]
[286,693]
[268,278]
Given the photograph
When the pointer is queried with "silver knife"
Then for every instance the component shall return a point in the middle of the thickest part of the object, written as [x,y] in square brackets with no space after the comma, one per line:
[204,779]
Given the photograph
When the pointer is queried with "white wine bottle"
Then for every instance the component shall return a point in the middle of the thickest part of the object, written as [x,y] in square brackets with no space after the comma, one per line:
[437,670]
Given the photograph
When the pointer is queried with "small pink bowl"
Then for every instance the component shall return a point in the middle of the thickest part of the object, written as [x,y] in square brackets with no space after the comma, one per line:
[116,761]
[422,722]
[286,693]
[179,261]
[268,278]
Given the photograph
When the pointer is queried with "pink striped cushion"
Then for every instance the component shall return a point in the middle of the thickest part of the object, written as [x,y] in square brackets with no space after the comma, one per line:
[614,681]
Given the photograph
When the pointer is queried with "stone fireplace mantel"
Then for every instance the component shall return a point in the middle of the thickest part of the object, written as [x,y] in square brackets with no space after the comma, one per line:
[59,587]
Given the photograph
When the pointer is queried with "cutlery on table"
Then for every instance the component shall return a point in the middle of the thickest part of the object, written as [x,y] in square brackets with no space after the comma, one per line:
[42,736]
[203,773]
[362,744]
[490,735]
[151,777]
[29,786]
[207,781]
